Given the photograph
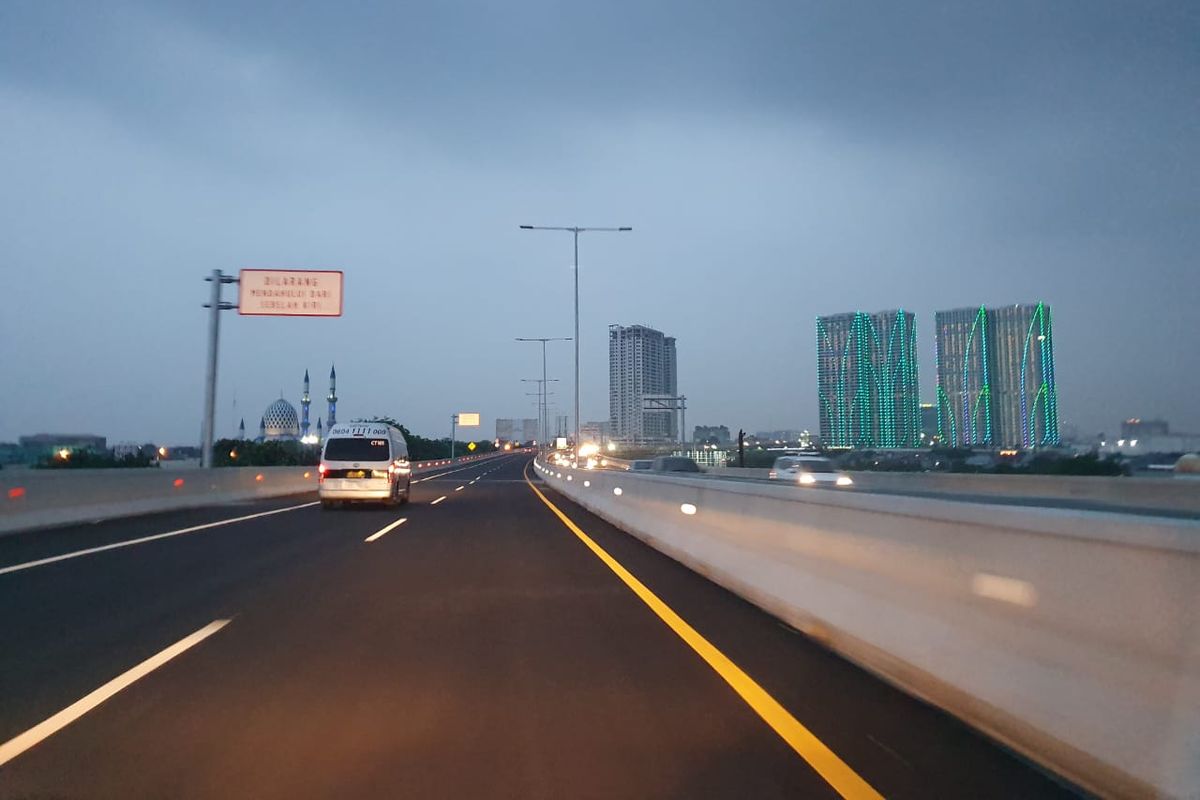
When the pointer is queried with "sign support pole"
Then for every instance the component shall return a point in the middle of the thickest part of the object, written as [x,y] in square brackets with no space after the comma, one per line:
[215,307]
[453,425]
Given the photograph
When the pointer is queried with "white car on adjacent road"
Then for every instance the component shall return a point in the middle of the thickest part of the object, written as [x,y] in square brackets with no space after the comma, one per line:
[808,471]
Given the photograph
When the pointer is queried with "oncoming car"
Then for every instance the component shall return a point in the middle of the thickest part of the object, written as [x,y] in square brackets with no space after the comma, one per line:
[364,462]
[674,464]
[808,471]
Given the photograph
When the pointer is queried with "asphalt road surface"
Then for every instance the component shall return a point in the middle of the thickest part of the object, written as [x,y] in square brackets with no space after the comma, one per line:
[478,649]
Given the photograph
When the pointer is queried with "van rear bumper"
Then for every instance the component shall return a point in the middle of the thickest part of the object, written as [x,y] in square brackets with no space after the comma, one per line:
[355,489]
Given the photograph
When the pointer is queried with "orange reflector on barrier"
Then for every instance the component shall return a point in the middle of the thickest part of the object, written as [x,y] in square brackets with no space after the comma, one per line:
[178,482]
[16,493]
[258,477]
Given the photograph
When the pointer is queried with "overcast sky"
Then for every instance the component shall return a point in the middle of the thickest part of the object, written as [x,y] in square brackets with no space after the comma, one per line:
[776,160]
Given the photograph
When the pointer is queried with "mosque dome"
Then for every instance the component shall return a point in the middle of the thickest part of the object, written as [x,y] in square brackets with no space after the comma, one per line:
[280,421]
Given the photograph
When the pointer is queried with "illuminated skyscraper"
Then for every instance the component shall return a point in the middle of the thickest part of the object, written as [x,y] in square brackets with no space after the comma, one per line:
[963,355]
[1026,395]
[995,370]
[867,379]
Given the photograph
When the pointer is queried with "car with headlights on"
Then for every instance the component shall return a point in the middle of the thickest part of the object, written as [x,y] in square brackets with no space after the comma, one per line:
[808,471]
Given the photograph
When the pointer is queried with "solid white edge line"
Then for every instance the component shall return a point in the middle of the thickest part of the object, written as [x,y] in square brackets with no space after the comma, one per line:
[43,730]
[440,499]
[130,542]
[384,530]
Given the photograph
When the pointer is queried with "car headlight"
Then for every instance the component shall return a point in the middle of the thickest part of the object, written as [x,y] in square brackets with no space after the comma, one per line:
[807,478]
[844,480]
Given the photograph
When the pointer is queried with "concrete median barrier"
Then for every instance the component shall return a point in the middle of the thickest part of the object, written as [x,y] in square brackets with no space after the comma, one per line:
[1074,637]
[1162,493]
[45,498]
[31,498]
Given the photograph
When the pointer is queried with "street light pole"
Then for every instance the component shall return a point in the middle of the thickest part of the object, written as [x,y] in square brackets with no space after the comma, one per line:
[544,422]
[215,306]
[542,393]
[576,230]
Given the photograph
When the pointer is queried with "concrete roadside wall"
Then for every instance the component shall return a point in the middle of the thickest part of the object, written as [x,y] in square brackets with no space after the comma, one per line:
[34,498]
[1074,637]
[1178,494]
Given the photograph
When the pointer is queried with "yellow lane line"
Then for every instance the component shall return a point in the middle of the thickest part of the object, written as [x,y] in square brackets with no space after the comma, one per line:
[844,780]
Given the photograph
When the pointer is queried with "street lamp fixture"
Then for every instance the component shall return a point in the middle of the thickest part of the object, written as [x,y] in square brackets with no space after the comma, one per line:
[575,231]
[545,419]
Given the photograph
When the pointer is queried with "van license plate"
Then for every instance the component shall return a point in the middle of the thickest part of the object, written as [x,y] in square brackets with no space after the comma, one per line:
[356,473]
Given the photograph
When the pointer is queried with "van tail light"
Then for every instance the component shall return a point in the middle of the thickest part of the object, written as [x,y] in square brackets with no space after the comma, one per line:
[321,472]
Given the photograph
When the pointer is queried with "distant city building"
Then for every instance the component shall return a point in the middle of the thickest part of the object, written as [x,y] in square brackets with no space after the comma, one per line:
[40,444]
[711,434]
[641,362]
[127,449]
[785,435]
[995,373]
[517,430]
[964,356]
[867,380]
[1156,443]
[929,423]
[1136,428]
[13,453]
[1145,437]
[595,431]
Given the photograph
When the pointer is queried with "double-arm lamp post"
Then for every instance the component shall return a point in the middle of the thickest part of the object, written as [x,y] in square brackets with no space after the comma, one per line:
[575,230]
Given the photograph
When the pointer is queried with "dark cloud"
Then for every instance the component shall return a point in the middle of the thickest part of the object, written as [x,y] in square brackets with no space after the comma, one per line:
[778,160]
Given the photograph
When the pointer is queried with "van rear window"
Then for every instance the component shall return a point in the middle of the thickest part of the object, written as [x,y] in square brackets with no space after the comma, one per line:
[357,450]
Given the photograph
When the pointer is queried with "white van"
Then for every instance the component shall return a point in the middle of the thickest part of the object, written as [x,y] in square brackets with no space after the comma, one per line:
[364,461]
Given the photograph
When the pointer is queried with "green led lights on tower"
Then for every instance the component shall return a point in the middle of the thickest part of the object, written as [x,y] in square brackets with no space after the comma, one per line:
[995,377]
[962,349]
[867,379]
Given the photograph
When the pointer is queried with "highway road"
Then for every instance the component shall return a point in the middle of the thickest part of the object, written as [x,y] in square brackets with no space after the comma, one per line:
[472,644]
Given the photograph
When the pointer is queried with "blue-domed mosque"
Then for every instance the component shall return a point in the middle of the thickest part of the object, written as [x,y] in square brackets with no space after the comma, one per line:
[281,423]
